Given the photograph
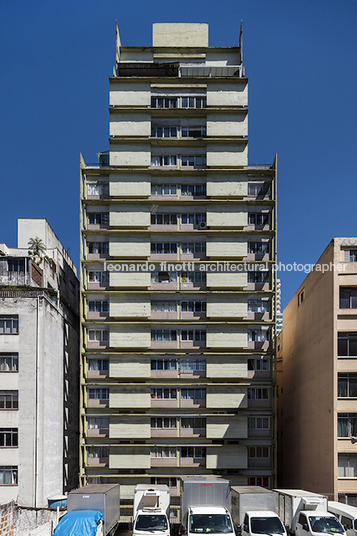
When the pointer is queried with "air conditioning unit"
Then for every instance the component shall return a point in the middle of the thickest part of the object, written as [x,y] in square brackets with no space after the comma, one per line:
[203,225]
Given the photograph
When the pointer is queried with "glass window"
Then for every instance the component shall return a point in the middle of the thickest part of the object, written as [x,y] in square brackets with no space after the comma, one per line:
[347,385]
[9,437]
[98,394]
[8,475]
[9,362]
[348,298]
[347,344]
[347,465]
[9,324]
[101,423]
[347,425]
[16,265]
[98,364]
[9,400]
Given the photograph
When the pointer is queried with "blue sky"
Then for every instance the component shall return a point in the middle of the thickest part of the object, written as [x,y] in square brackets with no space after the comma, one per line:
[300,58]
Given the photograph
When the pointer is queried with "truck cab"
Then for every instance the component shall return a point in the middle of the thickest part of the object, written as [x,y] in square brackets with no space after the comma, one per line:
[262,522]
[151,510]
[315,523]
[213,521]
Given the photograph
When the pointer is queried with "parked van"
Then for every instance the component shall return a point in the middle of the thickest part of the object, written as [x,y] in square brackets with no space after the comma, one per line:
[346,514]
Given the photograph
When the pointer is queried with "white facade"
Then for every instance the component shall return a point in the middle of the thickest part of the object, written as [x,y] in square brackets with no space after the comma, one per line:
[38,369]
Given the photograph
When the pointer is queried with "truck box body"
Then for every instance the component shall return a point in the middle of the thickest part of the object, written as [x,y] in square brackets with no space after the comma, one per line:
[290,502]
[248,498]
[151,512]
[104,498]
[204,492]
[152,496]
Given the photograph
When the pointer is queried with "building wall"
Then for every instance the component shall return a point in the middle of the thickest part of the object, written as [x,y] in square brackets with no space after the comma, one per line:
[309,378]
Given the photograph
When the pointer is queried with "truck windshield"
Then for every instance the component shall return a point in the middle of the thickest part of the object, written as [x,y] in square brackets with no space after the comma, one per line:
[326,524]
[151,523]
[210,523]
[266,525]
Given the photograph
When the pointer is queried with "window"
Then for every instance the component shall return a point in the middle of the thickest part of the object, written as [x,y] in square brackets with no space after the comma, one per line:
[98,218]
[163,452]
[99,335]
[193,248]
[9,362]
[260,189]
[98,394]
[258,248]
[193,219]
[258,452]
[163,277]
[98,277]
[9,400]
[163,219]
[98,452]
[193,335]
[301,297]
[193,277]
[350,255]
[193,132]
[165,306]
[193,306]
[347,385]
[8,475]
[258,423]
[165,335]
[98,188]
[168,248]
[98,423]
[193,160]
[9,324]
[348,298]
[193,394]
[347,424]
[164,160]
[347,344]
[99,248]
[258,393]
[258,277]
[193,102]
[98,306]
[163,422]
[16,265]
[191,364]
[193,422]
[347,466]
[259,481]
[9,437]
[98,364]
[163,393]
[258,364]
[258,218]
[163,189]
[258,306]
[163,102]
[258,335]
[164,132]
[168,481]
[163,364]
[193,452]
[194,190]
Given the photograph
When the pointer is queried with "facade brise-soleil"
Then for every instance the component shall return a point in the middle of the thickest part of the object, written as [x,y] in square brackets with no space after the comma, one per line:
[178,287]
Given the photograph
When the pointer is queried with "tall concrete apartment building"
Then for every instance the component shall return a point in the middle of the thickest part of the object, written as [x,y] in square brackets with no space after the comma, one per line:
[39,369]
[317,379]
[177,357]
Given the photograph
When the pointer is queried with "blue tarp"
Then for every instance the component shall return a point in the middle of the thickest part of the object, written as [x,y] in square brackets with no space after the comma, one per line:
[83,522]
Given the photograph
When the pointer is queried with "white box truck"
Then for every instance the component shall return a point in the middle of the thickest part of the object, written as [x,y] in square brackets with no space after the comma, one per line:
[305,513]
[151,511]
[205,507]
[254,511]
[93,509]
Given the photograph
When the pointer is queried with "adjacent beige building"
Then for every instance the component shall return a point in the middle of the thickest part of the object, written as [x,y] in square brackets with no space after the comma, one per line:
[178,244]
[317,378]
